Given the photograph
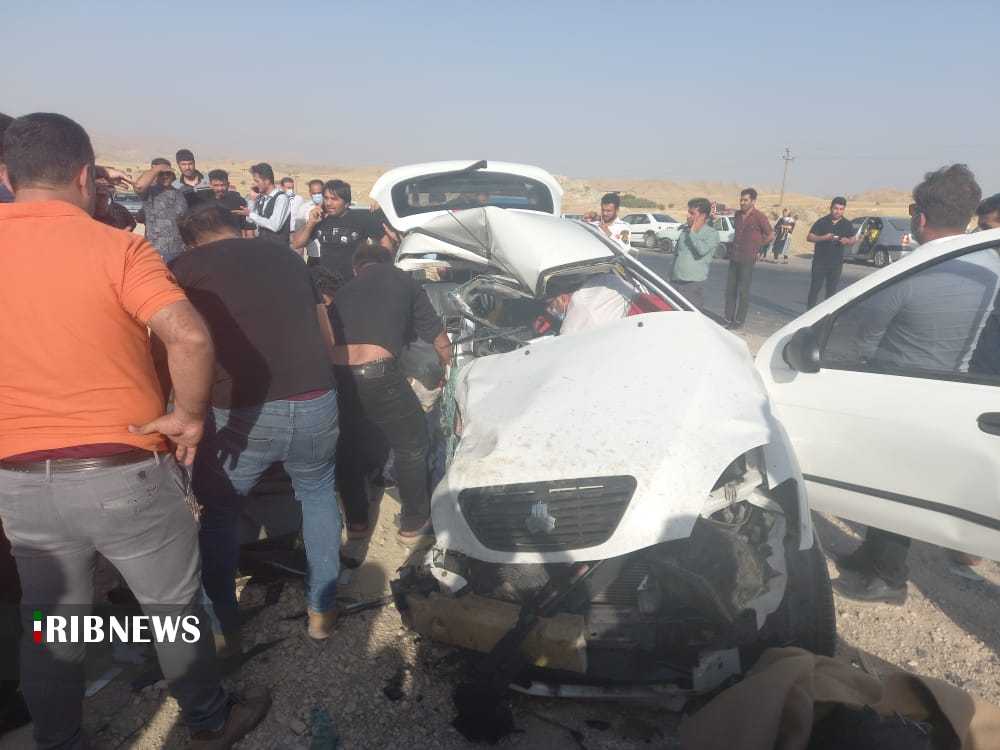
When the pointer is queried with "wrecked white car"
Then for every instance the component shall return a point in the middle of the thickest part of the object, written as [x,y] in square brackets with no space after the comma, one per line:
[619,505]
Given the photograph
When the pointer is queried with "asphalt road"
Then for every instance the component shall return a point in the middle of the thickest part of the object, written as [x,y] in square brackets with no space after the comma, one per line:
[777,293]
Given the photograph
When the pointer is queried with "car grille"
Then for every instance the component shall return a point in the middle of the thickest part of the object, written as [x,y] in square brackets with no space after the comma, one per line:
[547,516]
[624,590]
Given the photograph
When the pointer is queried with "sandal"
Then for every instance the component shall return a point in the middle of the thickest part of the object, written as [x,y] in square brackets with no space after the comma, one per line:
[413,537]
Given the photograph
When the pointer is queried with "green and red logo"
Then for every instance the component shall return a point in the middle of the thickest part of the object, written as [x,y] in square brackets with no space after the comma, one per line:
[38,626]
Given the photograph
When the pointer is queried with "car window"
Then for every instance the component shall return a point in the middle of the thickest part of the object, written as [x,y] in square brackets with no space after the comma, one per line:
[940,322]
[469,189]
[630,219]
[665,218]
[641,219]
[719,225]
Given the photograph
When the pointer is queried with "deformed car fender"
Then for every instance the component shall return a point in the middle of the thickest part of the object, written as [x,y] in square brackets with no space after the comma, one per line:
[669,399]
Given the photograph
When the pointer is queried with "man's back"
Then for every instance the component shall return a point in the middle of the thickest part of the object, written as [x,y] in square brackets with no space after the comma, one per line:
[260,304]
[76,359]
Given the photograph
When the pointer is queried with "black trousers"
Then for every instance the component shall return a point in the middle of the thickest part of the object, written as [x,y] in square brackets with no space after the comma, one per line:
[378,411]
[825,272]
[738,290]
[886,555]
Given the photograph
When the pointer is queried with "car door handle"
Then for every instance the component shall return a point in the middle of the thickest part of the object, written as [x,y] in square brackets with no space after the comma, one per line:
[990,422]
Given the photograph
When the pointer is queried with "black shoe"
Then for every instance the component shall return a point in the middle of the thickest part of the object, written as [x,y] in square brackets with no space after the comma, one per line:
[245,714]
[870,589]
[854,562]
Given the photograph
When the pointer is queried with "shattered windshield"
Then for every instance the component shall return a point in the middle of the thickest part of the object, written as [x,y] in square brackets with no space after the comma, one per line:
[452,191]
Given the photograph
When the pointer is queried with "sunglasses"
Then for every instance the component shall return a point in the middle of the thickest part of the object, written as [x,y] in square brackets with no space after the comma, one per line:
[915,209]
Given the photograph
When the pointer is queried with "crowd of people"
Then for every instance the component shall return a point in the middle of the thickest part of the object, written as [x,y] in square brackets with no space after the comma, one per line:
[149,383]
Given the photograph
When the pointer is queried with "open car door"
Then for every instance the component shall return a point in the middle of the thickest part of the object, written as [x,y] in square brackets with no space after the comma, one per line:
[890,393]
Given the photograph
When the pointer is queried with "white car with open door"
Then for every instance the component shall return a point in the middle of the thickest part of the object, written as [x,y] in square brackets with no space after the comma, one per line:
[890,391]
[624,490]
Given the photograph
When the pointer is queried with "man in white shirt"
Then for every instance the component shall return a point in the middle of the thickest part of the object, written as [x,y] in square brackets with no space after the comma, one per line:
[300,216]
[609,222]
[601,299]
[288,185]
[271,212]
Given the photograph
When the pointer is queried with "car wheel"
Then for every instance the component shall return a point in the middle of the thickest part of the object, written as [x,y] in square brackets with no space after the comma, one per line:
[807,617]
[880,257]
[649,240]
[667,245]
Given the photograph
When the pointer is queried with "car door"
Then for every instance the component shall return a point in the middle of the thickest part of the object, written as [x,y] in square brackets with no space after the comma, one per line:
[891,396]
[855,251]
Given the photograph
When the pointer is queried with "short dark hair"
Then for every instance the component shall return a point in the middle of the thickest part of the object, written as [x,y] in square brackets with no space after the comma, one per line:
[326,281]
[5,120]
[839,201]
[948,197]
[749,191]
[701,205]
[160,160]
[263,170]
[286,179]
[205,219]
[316,182]
[184,154]
[989,206]
[339,188]
[218,174]
[45,148]
[611,199]
[370,252]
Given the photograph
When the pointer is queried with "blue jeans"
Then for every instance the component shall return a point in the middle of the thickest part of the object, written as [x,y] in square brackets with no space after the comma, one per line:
[238,447]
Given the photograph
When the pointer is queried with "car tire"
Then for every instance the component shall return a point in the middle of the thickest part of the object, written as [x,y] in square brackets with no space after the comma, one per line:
[667,245]
[806,617]
[881,257]
[649,240]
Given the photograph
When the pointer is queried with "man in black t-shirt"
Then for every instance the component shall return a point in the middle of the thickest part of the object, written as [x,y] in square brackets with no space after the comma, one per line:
[229,200]
[337,228]
[273,399]
[830,234]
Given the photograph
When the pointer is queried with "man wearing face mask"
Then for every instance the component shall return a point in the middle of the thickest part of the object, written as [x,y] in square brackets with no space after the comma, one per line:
[300,216]
[338,229]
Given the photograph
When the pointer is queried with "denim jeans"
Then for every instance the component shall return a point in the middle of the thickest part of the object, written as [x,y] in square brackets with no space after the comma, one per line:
[238,447]
[376,414]
[136,516]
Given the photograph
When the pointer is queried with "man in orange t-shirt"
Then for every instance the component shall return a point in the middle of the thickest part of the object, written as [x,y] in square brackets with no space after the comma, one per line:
[84,461]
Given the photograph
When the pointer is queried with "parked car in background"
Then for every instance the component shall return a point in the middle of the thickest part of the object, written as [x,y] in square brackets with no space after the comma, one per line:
[577,217]
[726,229]
[890,393]
[648,230]
[884,239]
[132,202]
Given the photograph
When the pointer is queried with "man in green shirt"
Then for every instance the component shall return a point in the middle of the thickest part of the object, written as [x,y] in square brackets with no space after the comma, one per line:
[695,250]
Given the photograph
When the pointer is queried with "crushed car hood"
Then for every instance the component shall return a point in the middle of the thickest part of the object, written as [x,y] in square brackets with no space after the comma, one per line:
[669,399]
[527,246]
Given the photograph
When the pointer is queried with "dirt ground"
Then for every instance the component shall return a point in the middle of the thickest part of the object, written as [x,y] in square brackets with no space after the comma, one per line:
[947,629]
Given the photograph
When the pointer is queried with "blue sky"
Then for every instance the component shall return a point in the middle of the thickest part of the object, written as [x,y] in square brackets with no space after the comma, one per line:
[865,94]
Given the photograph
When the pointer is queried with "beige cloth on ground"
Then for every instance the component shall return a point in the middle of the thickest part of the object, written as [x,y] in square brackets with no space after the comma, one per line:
[775,706]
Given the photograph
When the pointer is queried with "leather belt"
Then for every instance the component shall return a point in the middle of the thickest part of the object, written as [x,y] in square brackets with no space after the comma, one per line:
[64,465]
[378,368]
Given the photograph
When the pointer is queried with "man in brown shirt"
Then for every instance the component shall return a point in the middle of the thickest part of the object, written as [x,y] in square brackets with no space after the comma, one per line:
[752,232]
[85,447]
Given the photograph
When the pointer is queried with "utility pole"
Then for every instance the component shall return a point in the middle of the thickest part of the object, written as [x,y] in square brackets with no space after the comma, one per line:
[787,158]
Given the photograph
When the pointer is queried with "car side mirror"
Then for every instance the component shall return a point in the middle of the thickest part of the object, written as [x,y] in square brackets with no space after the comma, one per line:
[801,353]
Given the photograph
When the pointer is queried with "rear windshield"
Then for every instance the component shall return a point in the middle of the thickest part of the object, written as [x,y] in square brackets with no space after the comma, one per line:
[902,225]
[457,190]
[665,218]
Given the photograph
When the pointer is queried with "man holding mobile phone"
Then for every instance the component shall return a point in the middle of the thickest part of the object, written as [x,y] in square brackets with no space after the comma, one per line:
[831,235]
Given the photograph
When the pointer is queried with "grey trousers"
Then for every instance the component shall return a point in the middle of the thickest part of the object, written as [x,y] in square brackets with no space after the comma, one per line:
[693,291]
[136,516]
[738,290]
